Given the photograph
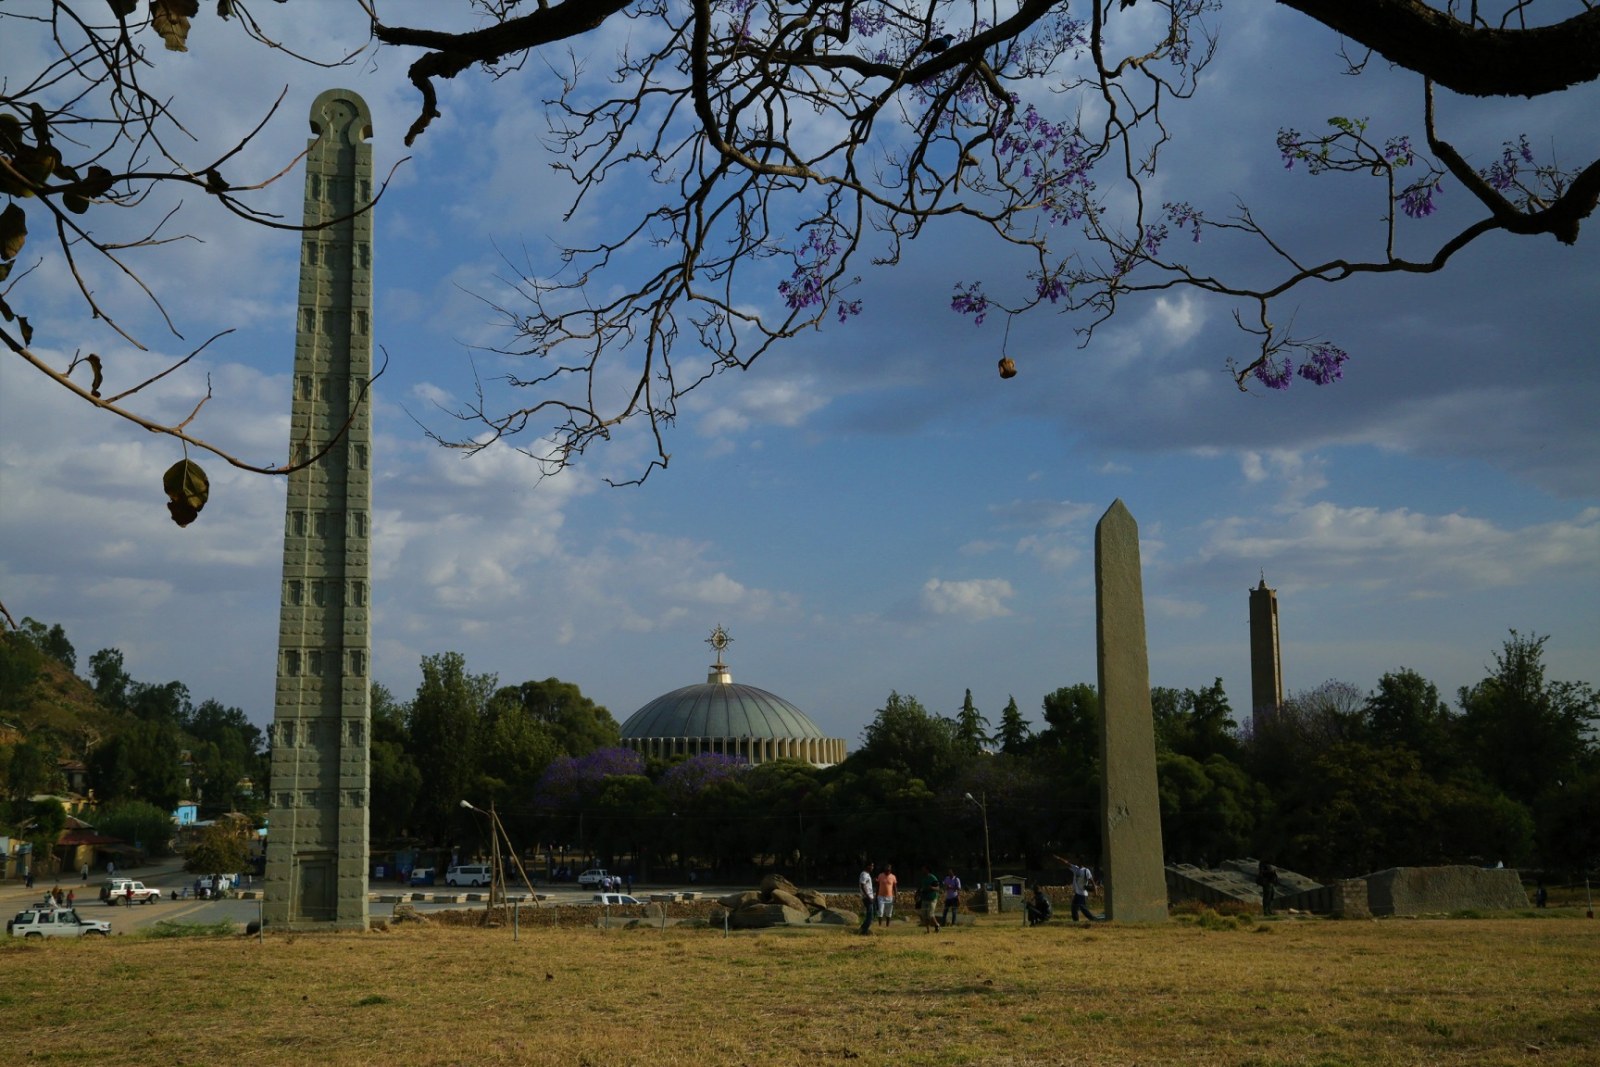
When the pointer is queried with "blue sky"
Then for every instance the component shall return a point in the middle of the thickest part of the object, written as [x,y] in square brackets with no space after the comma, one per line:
[870,507]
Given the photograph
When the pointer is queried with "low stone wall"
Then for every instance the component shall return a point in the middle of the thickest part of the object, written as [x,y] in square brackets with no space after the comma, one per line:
[1425,890]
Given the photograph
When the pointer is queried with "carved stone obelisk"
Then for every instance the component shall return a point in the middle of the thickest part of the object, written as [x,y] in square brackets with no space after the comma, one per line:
[1266,664]
[317,828]
[1130,811]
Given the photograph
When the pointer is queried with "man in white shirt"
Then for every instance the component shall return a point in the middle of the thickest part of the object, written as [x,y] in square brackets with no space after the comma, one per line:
[1082,886]
[868,889]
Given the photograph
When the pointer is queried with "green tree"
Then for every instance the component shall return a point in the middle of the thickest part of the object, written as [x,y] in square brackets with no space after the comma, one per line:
[140,762]
[388,715]
[136,822]
[1197,723]
[905,738]
[52,641]
[1406,710]
[1014,734]
[45,821]
[111,681]
[20,664]
[445,726]
[972,729]
[1208,809]
[168,702]
[221,848]
[578,725]
[395,781]
[513,753]
[1072,724]
[1309,723]
[1568,828]
[31,769]
[1525,733]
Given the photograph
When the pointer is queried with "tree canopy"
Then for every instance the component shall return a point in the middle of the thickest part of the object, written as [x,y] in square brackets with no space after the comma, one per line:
[790,146]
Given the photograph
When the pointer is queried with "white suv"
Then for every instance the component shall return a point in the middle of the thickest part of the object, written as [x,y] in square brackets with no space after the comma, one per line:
[55,922]
[594,876]
[127,891]
[475,874]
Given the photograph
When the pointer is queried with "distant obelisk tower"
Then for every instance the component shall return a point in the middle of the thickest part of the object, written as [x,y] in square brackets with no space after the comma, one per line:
[1266,667]
[317,830]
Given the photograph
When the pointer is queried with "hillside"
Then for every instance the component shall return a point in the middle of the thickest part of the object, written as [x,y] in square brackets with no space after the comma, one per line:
[56,703]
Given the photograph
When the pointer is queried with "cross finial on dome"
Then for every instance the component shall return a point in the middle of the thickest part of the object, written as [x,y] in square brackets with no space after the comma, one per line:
[718,641]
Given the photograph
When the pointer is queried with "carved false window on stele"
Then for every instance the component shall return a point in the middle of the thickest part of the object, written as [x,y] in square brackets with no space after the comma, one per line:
[291,663]
[308,319]
[315,661]
[294,592]
[358,664]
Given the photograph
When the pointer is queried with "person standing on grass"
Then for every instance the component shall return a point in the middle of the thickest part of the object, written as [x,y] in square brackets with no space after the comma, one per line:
[952,897]
[927,899]
[886,887]
[869,897]
[1267,879]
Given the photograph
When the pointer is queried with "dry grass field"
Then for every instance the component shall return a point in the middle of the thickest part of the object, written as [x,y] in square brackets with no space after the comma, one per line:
[1509,990]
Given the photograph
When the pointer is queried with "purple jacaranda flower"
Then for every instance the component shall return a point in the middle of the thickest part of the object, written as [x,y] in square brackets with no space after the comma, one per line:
[1325,366]
[1275,375]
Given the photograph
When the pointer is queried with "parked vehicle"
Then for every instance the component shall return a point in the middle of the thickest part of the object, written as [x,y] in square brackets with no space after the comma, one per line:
[469,874]
[614,899]
[594,877]
[422,876]
[55,922]
[128,891]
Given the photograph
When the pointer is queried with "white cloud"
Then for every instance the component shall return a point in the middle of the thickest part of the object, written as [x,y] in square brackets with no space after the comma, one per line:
[972,599]
[1324,542]
[1293,473]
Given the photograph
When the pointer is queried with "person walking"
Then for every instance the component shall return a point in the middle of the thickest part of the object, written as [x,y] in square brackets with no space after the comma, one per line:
[927,899]
[1082,886]
[952,897]
[85,874]
[868,886]
[886,887]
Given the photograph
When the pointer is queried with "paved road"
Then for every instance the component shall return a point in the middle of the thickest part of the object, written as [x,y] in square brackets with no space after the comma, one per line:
[170,878]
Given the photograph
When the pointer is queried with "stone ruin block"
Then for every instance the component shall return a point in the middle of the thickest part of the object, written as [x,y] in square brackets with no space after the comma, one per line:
[1423,890]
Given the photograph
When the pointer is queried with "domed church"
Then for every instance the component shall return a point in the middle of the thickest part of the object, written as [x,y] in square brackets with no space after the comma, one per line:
[734,720]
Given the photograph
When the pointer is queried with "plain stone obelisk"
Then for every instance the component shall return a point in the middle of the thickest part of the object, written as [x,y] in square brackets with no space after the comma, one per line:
[317,827]
[1130,811]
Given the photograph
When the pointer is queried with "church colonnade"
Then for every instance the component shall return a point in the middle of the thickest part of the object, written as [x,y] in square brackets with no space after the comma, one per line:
[819,751]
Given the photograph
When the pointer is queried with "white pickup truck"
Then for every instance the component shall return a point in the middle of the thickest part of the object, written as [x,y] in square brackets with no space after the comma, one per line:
[55,922]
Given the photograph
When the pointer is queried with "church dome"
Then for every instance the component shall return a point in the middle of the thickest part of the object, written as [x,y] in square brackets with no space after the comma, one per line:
[720,716]
[719,709]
